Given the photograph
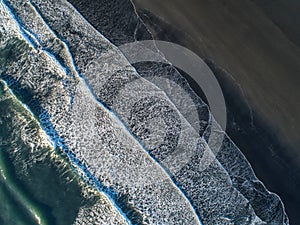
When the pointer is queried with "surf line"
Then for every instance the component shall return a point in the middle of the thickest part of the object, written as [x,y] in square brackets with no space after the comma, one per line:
[71,155]
[57,141]
[81,76]
[98,101]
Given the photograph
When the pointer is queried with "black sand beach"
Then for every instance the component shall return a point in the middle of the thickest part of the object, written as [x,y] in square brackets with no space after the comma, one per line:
[242,40]
[258,66]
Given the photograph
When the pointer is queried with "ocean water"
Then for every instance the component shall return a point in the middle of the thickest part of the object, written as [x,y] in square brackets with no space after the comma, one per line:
[229,156]
[77,147]
[51,100]
[38,185]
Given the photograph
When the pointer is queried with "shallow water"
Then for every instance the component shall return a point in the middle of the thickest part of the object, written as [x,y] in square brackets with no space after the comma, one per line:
[36,183]
[77,117]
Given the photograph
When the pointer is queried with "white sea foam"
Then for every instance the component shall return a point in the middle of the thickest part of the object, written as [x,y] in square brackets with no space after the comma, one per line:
[97,138]
[104,66]
[98,75]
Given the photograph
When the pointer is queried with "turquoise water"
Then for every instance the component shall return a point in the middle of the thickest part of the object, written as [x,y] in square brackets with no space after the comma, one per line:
[37,186]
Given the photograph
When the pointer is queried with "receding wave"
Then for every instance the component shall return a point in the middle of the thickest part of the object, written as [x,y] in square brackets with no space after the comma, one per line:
[125,134]
[92,136]
[35,179]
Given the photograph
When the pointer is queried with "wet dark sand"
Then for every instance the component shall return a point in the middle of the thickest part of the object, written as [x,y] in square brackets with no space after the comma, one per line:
[258,68]
[261,92]
[285,14]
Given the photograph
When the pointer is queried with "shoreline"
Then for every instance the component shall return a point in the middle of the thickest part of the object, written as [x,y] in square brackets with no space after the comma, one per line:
[264,153]
[269,155]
